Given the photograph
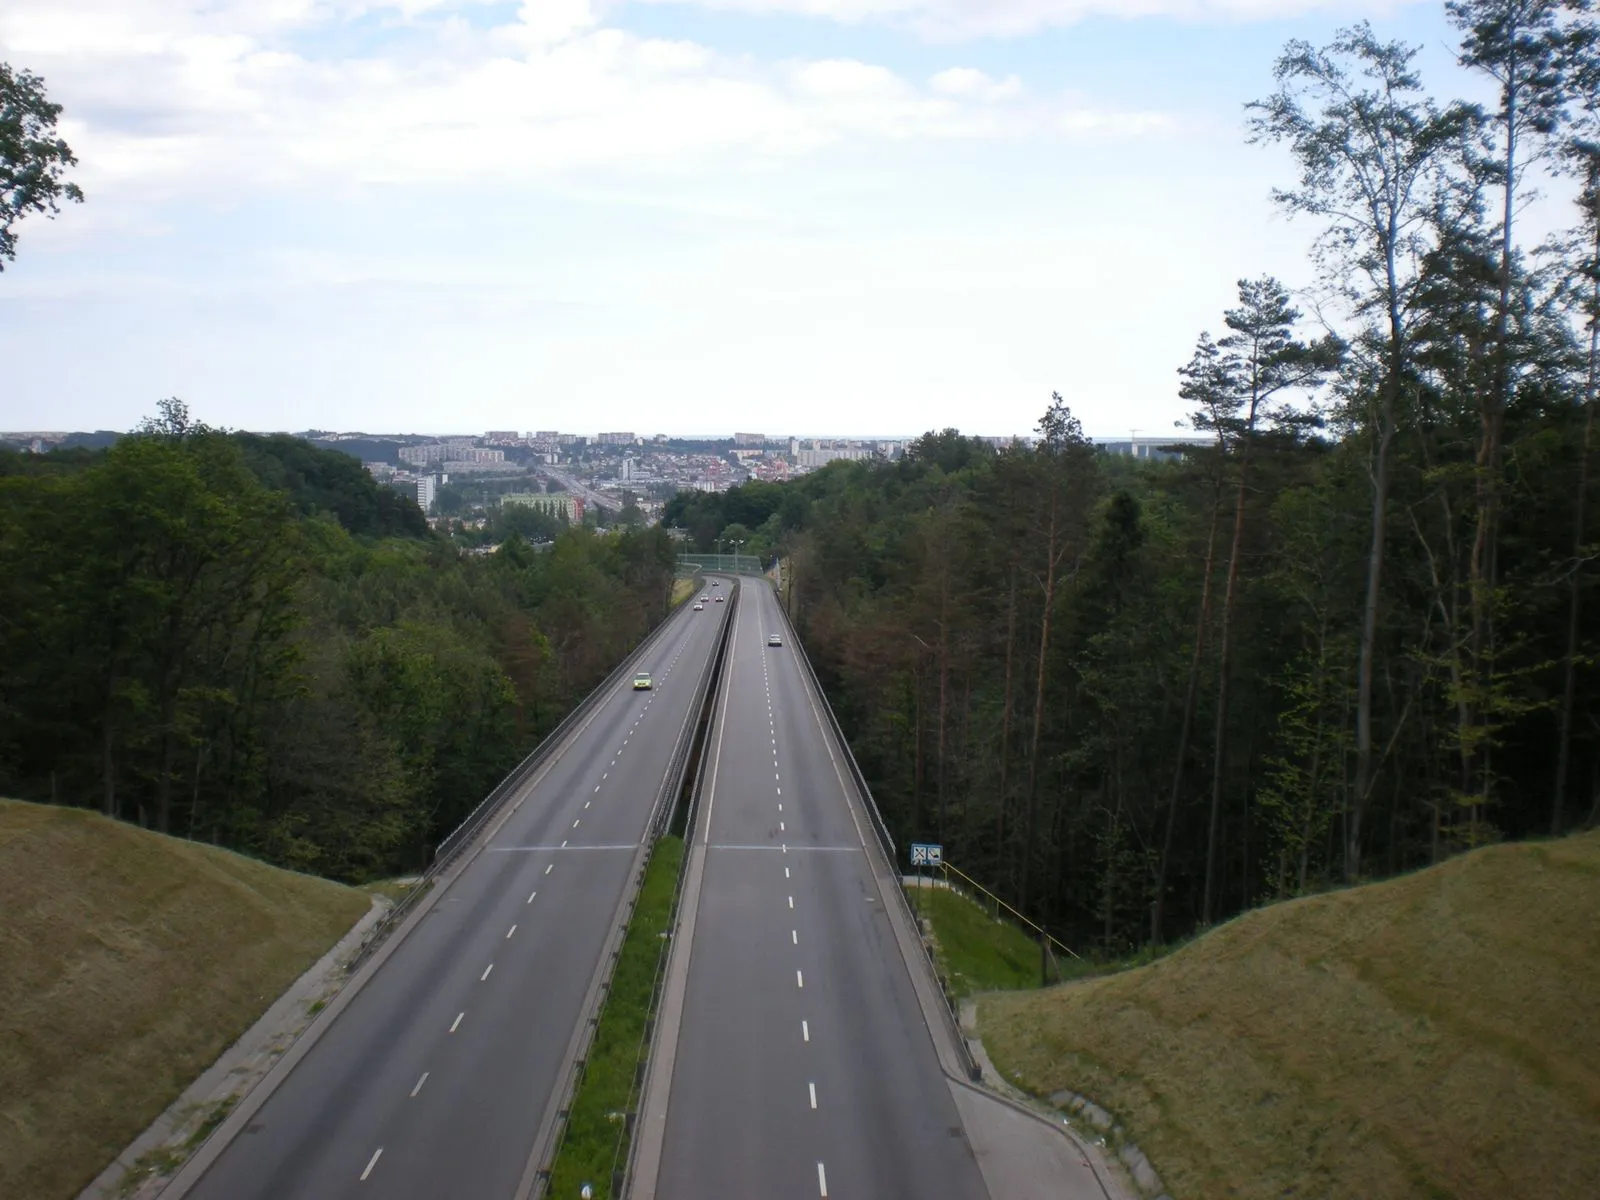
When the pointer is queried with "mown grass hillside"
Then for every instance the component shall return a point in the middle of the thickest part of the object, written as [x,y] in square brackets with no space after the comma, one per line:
[1432,1036]
[128,962]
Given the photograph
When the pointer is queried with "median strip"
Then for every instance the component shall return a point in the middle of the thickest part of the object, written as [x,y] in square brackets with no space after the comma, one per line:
[598,1128]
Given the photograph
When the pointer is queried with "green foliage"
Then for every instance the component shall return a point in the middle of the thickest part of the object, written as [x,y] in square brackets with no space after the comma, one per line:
[211,634]
[32,157]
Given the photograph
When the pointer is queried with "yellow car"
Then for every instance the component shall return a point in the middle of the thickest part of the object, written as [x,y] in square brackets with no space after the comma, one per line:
[641,681]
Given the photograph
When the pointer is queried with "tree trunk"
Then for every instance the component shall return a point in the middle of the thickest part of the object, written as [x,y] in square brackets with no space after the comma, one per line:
[1191,699]
[1387,397]
[1569,680]
[1052,560]
[1224,657]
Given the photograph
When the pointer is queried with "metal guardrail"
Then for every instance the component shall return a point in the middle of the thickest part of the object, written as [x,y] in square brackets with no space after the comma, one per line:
[881,828]
[507,787]
[622,1170]
[660,816]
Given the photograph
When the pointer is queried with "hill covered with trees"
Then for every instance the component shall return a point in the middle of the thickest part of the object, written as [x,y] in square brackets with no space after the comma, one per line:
[243,640]
[1356,634]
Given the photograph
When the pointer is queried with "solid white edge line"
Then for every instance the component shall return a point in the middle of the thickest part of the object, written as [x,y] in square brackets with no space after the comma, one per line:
[371,1162]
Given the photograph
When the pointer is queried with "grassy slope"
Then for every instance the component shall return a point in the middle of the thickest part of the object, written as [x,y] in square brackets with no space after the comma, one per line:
[1436,1035]
[128,962]
[976,952]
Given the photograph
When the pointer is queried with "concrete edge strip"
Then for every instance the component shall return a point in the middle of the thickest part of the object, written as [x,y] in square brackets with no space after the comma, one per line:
[544,1144]
[650,1127]
[1060,1130]
[251,1102]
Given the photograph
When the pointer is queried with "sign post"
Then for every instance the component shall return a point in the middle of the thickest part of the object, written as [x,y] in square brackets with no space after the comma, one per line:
[924,855]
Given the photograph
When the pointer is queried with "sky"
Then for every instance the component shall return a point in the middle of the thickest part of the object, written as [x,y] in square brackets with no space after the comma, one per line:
[853,217]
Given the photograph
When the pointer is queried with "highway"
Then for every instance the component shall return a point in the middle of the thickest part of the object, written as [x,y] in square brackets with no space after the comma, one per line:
[802,1066]
[437,1077]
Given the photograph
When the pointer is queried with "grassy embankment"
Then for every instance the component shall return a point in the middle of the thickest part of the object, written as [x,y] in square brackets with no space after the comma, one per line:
[590,1147]
[682,589]
[1436,1035]
[128,962]
[975,952]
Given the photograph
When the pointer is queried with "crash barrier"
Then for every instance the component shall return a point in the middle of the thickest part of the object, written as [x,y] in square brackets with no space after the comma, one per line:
[480,816]
[886,843]
[688,750]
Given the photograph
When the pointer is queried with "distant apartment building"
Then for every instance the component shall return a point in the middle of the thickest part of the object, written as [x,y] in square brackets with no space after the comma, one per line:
[1155,449]
[746,440]
[455,449]
[557,504]
[819,452]
[421,488]
[617,439]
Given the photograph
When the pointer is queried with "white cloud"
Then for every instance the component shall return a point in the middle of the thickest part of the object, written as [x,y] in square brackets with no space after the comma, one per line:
[970,82]
[179,97]
[977,18]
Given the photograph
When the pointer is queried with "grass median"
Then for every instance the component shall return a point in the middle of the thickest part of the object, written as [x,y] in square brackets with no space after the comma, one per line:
[595,1138]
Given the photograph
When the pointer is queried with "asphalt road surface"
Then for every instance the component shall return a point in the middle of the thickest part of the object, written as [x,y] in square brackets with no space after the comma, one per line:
[803,1067]
[434,1080]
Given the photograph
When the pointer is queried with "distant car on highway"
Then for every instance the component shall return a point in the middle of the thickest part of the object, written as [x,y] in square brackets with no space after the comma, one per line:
[774,640]
[698,607]
[641,681]
[719,599]
[716,583]
[703,599]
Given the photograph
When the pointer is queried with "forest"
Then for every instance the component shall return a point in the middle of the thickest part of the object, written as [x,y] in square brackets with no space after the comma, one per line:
[244,640]
[1352,635]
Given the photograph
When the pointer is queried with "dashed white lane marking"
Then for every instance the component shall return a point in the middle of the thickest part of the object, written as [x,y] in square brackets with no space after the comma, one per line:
[604,775]
[575,822]
[822,1180]
[420,1082]
[799,980]
[780,791]
[586,803]
[485,974]
[805,1031]
[780,827]
[563,845]
[813,1088]
[780,808]
[456,1024]
[791,901]
[597,787]
[371,1162]
[548,869]
[795,934]
[531,895]
[785,875]
[509,932]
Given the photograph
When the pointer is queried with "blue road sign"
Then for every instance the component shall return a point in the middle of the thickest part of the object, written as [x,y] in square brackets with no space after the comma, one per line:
[926,854]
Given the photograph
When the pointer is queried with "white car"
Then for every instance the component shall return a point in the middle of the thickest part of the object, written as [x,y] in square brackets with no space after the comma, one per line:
[641,682]
[719,599]
[703,599]
[698,607]
[774,640]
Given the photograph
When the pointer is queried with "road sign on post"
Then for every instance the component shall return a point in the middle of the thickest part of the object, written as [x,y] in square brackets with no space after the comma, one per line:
[926,854]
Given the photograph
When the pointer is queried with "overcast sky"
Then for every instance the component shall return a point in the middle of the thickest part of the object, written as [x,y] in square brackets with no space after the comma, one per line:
[795,216]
